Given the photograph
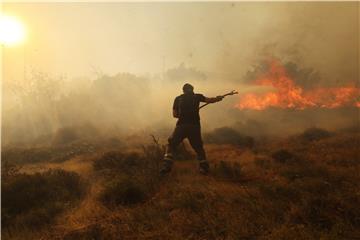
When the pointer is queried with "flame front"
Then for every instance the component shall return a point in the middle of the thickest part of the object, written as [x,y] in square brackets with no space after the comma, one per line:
[287,94]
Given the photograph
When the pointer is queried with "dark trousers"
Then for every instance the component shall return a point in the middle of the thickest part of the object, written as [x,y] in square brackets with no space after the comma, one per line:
[191,132]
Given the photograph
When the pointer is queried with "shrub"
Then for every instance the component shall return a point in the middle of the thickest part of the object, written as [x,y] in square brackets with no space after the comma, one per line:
[154,153]
[227,170]
[124,191]
[277,192]
[116,160]
[25,155]
[226,135]
[190,200]
[283,156]
[131,177]
[313,134]
[323,212]
[8,170]
[59,153]
[35,199]
[305,171]
[262,162]
[319,211]
[153,156]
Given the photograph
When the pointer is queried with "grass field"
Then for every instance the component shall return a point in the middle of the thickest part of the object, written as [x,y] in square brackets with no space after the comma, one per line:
[299,187]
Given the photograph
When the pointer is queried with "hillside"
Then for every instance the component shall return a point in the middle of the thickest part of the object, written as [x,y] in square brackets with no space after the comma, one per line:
[300,187]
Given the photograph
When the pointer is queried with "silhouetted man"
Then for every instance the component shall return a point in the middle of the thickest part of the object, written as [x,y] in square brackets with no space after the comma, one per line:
[186,109]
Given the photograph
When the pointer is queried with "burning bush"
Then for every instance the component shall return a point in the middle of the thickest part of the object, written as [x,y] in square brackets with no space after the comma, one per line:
[313,134]
[226,135]
[289,94]
[34,200]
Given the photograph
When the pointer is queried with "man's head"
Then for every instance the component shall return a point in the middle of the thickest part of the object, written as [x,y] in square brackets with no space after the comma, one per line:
[188,88]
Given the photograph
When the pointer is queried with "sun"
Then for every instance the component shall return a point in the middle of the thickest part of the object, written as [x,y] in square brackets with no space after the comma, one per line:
[12,31]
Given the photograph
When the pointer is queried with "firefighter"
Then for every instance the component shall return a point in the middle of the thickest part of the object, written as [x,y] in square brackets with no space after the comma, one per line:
[186,109]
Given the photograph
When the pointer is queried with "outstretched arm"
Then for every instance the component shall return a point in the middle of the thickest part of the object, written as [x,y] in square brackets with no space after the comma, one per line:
[213,99]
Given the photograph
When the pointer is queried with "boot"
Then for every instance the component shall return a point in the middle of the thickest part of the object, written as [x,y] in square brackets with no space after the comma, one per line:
[204,167]
[167,165]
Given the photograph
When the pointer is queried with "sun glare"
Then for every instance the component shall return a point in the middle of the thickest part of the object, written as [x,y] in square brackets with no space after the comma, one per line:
[11,30]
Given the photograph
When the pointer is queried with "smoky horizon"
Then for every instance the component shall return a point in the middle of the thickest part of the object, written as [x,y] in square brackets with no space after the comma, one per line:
[117,67]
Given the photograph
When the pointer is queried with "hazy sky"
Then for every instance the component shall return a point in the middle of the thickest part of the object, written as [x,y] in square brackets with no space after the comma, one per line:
[217,42]
[223,38]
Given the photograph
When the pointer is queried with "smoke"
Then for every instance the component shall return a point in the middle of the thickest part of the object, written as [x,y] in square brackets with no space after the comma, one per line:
[129,105]
[307,78]
[217,47]
[312,40]
[183,74]
[123,104]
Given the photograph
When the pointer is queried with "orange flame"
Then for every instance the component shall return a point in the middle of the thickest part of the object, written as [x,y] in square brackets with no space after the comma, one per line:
[288,95]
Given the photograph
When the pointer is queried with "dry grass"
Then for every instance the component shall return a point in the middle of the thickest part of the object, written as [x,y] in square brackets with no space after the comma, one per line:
[34,200]
[284,189]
